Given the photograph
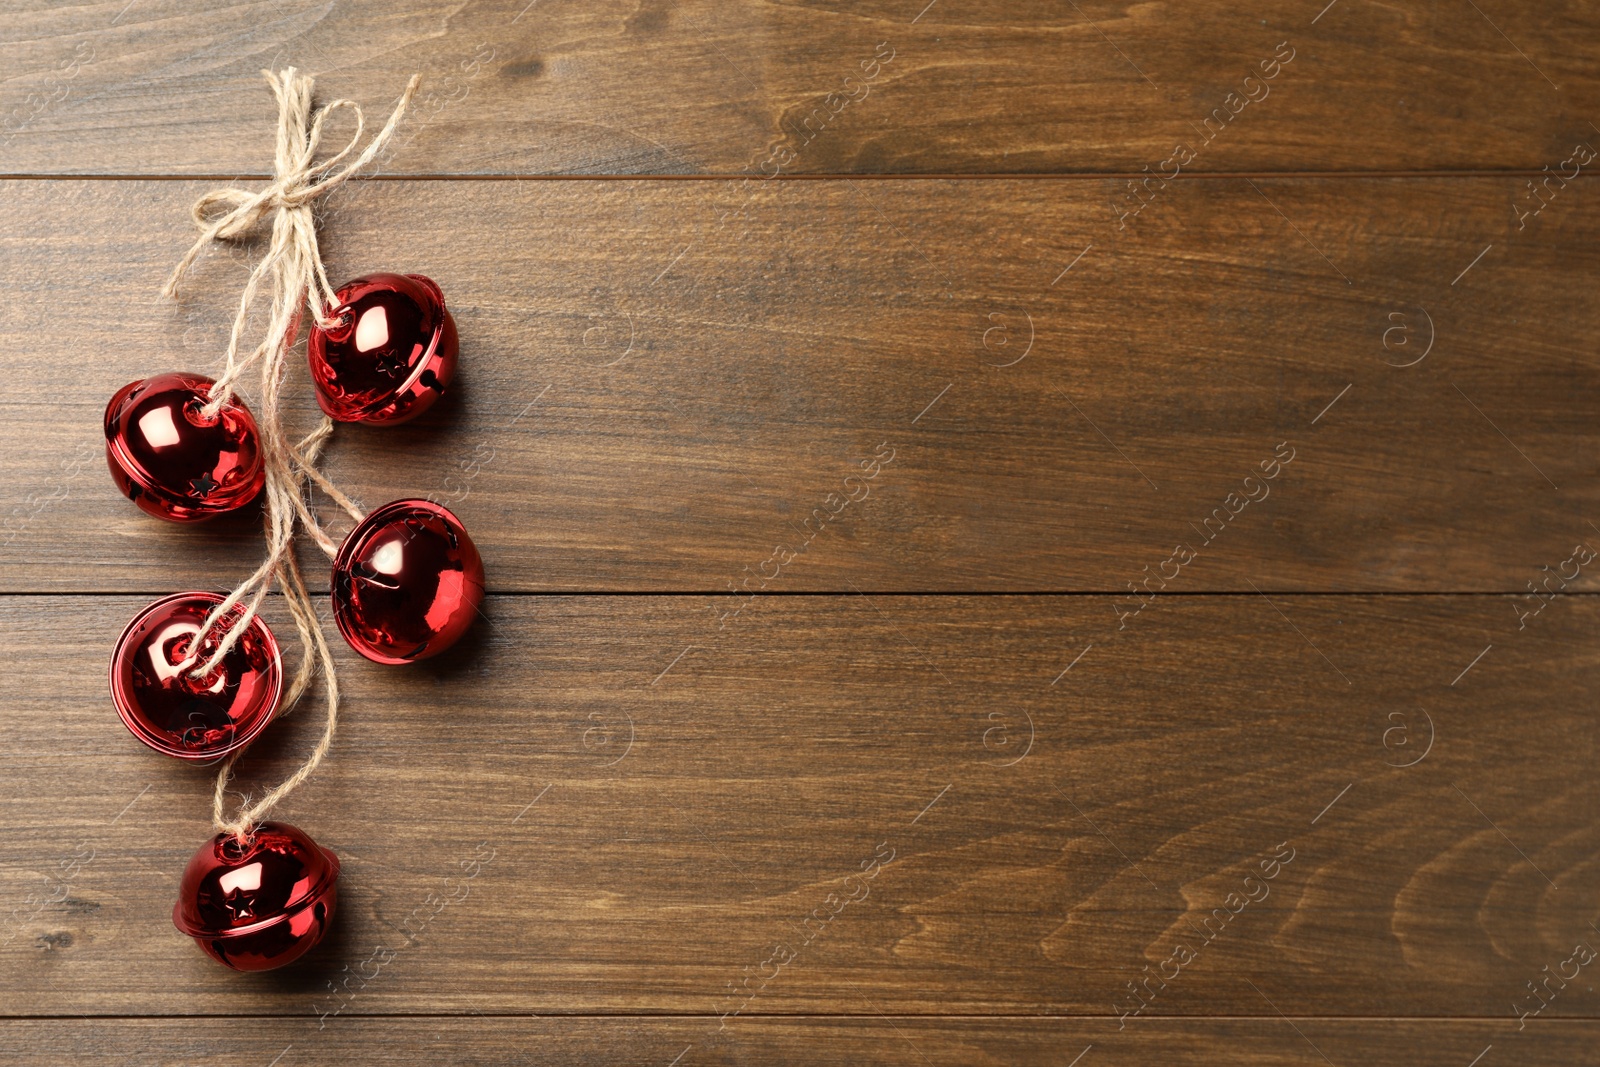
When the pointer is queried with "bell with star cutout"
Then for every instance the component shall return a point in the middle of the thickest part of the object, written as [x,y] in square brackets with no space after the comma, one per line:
[259,904]
[176,713]
[174,461]
[407,582]
[392,353]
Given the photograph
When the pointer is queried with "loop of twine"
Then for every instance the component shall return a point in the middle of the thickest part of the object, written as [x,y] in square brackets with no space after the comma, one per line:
[293,262]
[293,251]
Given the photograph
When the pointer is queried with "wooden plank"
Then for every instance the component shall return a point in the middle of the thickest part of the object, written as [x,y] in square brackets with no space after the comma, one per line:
[908,86]
[902,1040]
[675,386]
[662,804]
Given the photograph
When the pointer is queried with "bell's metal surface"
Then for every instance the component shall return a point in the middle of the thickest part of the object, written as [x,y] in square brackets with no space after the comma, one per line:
[407,582]
[261,904]
[173,461]
[392,353]
[181,715]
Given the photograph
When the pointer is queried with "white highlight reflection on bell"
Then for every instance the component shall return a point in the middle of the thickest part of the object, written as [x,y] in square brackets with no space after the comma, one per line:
[246,878]
[169,638]
[373,329]
[158,428]
[390,557]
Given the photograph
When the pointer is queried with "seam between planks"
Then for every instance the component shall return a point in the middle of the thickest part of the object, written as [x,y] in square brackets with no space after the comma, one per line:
[1301,175]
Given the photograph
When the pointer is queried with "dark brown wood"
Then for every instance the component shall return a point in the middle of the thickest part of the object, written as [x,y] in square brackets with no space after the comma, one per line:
[674,386]
[1024,822]
[716,86]
[898,1040]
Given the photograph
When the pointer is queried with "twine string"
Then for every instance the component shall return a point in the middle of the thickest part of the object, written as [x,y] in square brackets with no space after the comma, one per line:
[316,649]
[292,267]
[298,183]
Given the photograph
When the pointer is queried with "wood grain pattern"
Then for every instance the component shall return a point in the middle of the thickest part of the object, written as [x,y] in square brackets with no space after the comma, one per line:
[663,382]
[606,804]
[899,1041]
[973,86]
[1154,675]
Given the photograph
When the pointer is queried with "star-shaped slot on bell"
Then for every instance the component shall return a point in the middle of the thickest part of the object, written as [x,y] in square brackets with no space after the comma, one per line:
[240,902]
[175,461]
[391,353]
[258,904]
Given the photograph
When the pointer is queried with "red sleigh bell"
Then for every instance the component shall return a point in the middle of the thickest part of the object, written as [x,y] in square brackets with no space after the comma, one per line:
[183,716]
[260,904]
[172,460]
[406,582]
[392,353]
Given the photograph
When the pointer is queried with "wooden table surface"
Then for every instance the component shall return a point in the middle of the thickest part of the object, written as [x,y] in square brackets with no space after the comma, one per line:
[1117,479]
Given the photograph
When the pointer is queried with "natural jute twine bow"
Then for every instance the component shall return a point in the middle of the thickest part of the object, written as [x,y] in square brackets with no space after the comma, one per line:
[294,265]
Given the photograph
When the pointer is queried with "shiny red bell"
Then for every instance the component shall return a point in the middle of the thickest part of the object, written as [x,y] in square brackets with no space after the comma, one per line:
[175,462]
[392,353]
[260,904]
[406,582]
[183,716]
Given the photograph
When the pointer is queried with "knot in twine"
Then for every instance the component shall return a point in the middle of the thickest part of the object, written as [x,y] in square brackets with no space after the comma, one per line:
[293,263]
[293,257]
